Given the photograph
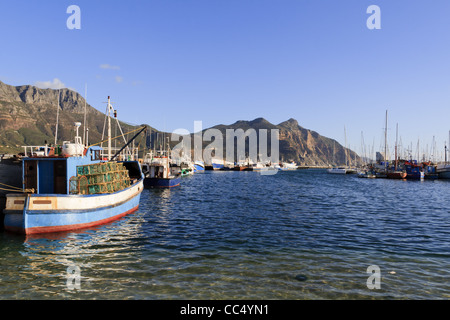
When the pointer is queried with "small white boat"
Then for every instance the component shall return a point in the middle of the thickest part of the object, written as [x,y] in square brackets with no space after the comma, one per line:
[337,170]
[288,166]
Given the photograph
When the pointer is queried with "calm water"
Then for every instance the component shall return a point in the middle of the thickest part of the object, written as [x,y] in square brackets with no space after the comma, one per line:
[303,234]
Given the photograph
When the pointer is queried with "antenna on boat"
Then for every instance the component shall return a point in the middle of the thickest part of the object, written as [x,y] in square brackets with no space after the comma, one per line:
[107,116]
[57,117]
[109,128]
[77,137]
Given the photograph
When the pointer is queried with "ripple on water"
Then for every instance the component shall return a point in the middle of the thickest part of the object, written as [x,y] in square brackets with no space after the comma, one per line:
[240,235]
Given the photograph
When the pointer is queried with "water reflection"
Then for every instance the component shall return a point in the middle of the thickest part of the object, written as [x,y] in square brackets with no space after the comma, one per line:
[42,268]
[239,235]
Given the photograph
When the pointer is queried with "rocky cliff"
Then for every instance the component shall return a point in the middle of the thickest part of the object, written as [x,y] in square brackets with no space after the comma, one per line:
[304,146]
[28,116]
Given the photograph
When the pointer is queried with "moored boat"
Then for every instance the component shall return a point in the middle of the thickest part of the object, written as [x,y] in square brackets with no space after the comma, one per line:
[187,169]
[414,171]
[443,170]
[199,166]
[337,170]
[288,166]
[158,173]
[396,174]
[66,191]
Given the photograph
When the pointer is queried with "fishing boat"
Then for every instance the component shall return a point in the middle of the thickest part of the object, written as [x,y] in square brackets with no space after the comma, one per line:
[72,187]
[239,166]
[258,166]
[429,170]
[215,164]
[10,179]
[199,166]
[158,173]
[443,170]
[414,171]
[366,174]
[187,168]
[396,174]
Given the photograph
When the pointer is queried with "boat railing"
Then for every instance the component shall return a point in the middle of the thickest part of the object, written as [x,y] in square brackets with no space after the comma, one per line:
[30,151]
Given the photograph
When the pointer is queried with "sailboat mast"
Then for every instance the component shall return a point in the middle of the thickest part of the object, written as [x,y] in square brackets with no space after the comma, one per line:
[57,117]
[385,141]
[396,142]
[345,137]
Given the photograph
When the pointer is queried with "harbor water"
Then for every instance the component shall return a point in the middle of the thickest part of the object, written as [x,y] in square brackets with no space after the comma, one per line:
[302,234]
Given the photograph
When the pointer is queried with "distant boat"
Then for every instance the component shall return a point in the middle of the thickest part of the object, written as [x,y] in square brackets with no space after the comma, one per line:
[414,170]
[257,166]
[288,166]
[430,171]
[199,166]
[396,174]
[443,171]
[215,164]
[366,174]
[240,166]
[187,169]
[72,188]
[337,170]
[158,174]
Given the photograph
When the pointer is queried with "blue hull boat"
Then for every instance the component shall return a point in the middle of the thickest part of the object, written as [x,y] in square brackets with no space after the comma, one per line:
[162,182]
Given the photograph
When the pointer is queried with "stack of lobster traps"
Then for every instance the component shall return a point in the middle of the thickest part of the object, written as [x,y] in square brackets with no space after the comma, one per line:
[105,177]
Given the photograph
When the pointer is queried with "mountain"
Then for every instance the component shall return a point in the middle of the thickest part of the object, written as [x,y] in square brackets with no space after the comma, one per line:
[304,146]
[28,117]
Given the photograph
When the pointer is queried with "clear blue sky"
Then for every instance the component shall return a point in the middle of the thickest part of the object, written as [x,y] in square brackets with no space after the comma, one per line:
[171,62]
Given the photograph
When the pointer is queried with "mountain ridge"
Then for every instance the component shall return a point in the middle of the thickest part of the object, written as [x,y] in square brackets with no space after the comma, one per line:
[28,117]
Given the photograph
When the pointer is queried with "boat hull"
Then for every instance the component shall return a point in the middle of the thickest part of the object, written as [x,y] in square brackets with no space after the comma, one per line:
[37,214]
[198,166]
[162,182]
[337,171]
[444,175]
[415,176]
[396,175]
[443,171]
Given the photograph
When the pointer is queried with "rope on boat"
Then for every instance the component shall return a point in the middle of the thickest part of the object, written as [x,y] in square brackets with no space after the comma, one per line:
[113,138]
[4,184]
[11,190]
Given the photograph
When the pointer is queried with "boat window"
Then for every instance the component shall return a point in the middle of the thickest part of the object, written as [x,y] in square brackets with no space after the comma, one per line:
[95,155]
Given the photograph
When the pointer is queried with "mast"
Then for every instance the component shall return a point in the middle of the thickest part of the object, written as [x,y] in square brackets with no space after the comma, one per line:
[109,128]
[345,136]
[57,117]
[396,142]
[385,143]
